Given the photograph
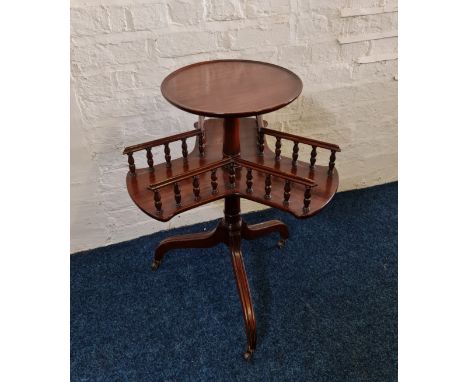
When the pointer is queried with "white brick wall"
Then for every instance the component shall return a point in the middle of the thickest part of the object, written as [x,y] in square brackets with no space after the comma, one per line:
[122,49]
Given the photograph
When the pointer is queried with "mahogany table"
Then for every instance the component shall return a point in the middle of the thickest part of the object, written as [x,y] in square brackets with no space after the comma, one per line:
[231,160]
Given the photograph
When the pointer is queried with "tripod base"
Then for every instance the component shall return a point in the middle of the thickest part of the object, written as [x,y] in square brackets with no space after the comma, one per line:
[230,231]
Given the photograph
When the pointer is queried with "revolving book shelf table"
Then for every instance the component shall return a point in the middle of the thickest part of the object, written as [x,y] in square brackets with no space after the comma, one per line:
[231,160]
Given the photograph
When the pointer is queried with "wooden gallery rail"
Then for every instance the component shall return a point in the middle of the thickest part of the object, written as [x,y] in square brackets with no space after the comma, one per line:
[230,160]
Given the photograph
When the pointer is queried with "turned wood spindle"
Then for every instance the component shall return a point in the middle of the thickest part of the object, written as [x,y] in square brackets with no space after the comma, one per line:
[331,164]
[196,187]
[167,154]
[232,176]
[260,142]
[131,163]
[157,201]
[177,195]
[184,148]
[249,181]
[278,149]
[214,182]
[313,156]
[260,123]
[201,143]
[307,195]
[295,153]
[287,192]
[149,158]
[201,123]
[268,187]
[201,126]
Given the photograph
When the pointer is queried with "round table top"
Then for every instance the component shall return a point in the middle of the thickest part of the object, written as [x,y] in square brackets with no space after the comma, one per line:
[231,88]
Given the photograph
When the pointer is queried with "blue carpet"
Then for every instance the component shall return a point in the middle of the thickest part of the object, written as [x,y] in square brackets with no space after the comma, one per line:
[326,304]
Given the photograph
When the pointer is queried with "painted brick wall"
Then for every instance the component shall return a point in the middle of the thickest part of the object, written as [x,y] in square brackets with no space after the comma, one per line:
[344,50]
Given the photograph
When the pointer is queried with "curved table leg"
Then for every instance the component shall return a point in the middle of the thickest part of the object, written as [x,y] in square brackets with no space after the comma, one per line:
[251,232]
[193,240]
[244,293]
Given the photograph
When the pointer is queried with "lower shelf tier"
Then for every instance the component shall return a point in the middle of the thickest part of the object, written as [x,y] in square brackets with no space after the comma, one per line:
[265,184]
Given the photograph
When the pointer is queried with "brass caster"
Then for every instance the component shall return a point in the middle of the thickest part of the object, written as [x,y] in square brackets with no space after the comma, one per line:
[155,265]
[281,243]
[248,354]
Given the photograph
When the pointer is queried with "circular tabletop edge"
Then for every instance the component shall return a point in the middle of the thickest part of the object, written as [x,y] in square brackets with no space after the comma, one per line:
[230,115]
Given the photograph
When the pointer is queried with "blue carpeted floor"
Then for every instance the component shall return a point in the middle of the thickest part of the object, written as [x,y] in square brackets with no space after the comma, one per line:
[326,304]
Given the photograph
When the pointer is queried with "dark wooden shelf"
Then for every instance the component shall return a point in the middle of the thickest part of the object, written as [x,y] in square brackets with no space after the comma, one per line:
[143,197]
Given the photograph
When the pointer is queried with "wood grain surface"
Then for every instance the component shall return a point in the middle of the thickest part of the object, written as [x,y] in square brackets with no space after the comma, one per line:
[231,88]
[137,184]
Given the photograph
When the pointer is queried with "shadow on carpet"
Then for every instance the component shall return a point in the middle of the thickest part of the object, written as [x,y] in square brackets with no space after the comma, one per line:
[326,304]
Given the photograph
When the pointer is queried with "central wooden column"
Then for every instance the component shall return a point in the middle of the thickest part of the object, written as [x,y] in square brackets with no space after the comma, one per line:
[231,143]
[231,147]
[232,223]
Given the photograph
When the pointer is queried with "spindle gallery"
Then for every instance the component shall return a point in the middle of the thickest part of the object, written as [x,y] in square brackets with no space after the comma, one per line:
[230,160]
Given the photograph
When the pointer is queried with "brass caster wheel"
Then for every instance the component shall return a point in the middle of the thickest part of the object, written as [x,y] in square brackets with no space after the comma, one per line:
[281,243]
[248,354]
[155,265]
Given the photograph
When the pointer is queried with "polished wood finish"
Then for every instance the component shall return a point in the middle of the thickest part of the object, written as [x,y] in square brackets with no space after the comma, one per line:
[141,186]
[313,156]
[249,181]
[331,164]
[229,231]
[261,142]
[231,160]
[231,88]
[184,148]
[214,182]
[190,173]
[231,142]
[157,202]
[196,188]
[161,141]
[149,158]
[295,154]
[244,292]
[252,232]
[278,148]
[131,163]
[231,171]
[287,192]
[304,140]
